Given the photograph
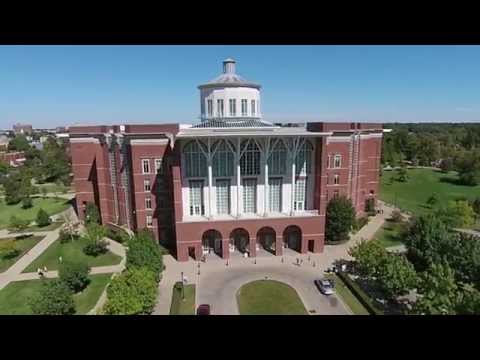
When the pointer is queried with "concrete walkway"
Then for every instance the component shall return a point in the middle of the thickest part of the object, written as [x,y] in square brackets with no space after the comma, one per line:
[217,283]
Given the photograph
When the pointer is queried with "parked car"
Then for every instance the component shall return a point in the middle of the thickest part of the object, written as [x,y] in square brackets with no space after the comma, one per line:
[325,286]
[203,309]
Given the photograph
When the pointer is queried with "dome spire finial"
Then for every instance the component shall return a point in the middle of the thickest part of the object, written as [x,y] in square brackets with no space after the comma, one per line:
[229,66]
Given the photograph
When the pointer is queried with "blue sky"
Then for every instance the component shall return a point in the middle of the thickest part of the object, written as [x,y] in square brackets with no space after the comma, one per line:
[49,86]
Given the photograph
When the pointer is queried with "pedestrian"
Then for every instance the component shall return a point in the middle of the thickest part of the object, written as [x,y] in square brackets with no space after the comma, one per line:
[45,268]
[298,261]
[60,259]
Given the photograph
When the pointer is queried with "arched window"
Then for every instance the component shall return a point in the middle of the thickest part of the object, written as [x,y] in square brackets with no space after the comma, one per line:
[250,160]
[277,162]
[223,160]
[303,161]
[195,160]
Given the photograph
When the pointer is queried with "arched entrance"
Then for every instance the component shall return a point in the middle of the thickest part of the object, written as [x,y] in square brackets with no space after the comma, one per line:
[212,242]
[239,240]
[266,238]
[292,237]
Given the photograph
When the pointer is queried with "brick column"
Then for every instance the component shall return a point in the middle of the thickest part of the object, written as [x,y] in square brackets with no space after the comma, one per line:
[198,251]
[225,248]
[279,245]
[253,245]
[304,245]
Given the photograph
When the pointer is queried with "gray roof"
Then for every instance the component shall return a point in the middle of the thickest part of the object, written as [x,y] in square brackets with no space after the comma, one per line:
[233,123]
[229,80]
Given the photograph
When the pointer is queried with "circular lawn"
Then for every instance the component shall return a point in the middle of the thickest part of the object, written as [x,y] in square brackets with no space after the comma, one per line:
[269,297]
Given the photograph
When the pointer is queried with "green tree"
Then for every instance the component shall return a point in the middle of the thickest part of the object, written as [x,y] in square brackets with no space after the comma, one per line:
[432,200]
[340,218]
[476,206]
[27,202]
[468,168]
[96,244]
[92,215]
[468,302]
[438,291]
[17,186]
[402,174]
[19,143]
[74,275]
[17,224]
[133,292]
[42,218]
[396,275]
[446,165]
[144,251]
[368,257]
[54,298]
[457,214]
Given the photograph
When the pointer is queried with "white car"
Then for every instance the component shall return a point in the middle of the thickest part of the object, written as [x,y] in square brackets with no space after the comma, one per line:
[325,286]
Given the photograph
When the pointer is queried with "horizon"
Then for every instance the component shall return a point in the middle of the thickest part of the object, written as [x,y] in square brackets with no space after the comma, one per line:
[50,86]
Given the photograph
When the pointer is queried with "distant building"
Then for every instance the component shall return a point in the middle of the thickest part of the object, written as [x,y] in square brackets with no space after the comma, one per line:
[232,183]
[16,158]
[4,140]
[24,129]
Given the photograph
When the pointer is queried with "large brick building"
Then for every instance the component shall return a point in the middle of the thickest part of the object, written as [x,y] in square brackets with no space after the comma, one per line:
[232,183]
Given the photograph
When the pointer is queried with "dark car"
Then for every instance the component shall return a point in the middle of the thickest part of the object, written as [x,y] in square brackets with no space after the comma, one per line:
[203,309]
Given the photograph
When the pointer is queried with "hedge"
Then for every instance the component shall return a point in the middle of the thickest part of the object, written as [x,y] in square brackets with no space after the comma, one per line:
[364,299]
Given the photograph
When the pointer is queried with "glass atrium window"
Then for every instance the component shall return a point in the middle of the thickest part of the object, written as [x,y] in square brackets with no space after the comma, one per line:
[223,162]
[223,196]
[195,160]
[250,196]
[196,197]
[250,160]
[277,162]
[275,194]
[300,194]
[303,161]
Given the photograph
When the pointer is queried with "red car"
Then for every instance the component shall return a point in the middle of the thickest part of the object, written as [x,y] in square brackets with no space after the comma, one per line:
[203,309]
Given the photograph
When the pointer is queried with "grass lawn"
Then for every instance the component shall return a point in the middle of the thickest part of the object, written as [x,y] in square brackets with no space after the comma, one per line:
[388,234]
[53,188]
[183,307]
[22,244]
[50,205]
[14,297]
[53,226]
[422,183]
[347,297]
[70,251]
[268,297]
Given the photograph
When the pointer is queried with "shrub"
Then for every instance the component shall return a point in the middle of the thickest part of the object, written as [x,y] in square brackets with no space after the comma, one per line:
[17,224]
[364,299]
[27,203]
[42,218]
[64,236]
[74,275]
[396,216]
[143,250]
[118,235]
[134,292]
[96,248]
[339,220]
[54,298]
[9,251]
[92,215]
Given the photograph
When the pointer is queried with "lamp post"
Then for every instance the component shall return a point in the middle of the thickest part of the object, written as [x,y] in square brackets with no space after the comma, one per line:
[183,287]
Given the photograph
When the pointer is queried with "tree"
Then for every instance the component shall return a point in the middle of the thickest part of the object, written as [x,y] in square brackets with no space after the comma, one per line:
[17,224]
[340,219]
[44,191]
[19,143]
[438,291]
[92,214]
[432,200]
[468,167]
[368,257]
[27,203]
[144,251]
[402,174]
[74,275]
[54,298]
[396,275]
[133,292]
[446,165]
[42,218]
[94,236]
[468,302]
[476,206]
[17,186]
[457,214]
[426,240]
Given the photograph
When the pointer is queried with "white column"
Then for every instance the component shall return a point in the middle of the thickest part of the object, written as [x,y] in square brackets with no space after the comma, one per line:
[238,176]
[209,161]
[265,188]
[292,211]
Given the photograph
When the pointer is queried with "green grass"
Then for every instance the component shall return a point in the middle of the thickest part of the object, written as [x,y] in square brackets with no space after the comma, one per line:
[50,205]
[22,244]
[388,235]
[268,297]
[347,297]
[53,226]
[14,297]
[70,251]
[53,188]
[183,307]
[422,183]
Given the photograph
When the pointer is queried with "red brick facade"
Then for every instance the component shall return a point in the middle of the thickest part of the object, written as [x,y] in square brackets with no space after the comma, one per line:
[108,165]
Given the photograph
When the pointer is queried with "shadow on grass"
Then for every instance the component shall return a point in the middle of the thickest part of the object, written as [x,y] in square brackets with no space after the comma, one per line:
[453,181]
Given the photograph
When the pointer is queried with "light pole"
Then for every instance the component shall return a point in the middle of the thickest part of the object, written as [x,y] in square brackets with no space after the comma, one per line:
[183,287]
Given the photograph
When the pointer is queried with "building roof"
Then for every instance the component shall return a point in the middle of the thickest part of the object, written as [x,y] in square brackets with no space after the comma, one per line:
[233,123]
[229,78]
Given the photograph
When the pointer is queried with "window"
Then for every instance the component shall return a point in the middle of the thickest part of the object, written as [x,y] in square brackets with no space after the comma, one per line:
[337,161]
[149,221]
[250,160]
[158,166]
[275,194]
[195,160]
[233,107]
[223,160]
[146,166]
[303,160]
[300,194]
[146,185]
[277,162]
[244,107]
[250,196]
[253,107]
[336,194]
[220,107]
[210,108]
[336,179]
[196,198]
[148,203]
[223,196]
